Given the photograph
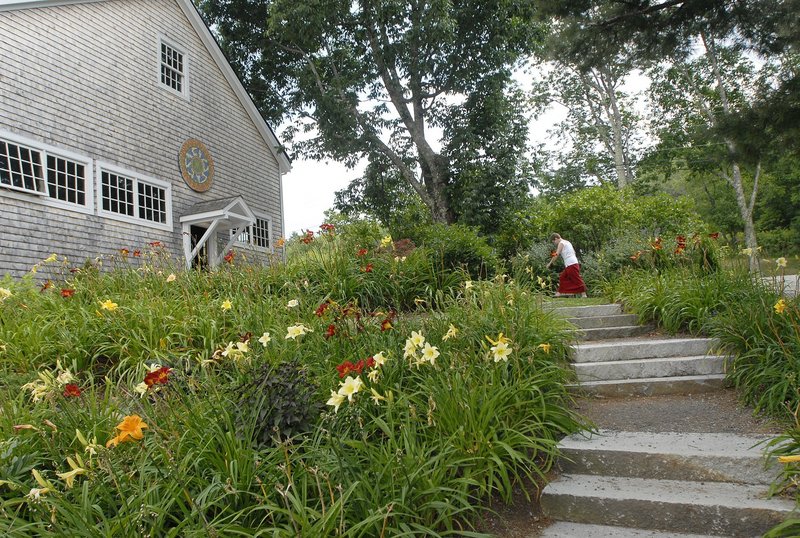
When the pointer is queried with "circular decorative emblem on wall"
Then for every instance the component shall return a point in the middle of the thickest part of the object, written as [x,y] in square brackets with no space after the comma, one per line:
[197,166]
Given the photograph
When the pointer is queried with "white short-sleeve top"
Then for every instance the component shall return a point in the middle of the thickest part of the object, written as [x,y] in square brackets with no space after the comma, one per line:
[568,253]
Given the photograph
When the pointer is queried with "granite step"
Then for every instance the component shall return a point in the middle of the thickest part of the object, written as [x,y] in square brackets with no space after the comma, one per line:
[650,386]
[567,529]
[712,508]
[701,457]
[641,348]
[653,367]
[597,322]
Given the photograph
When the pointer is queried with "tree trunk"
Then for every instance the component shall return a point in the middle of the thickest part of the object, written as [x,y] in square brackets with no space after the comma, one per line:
[735,179]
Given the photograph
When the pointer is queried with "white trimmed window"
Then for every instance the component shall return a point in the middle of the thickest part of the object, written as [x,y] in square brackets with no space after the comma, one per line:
[21,167]
[257,235]
[133,198]
[58,177]
[172,70]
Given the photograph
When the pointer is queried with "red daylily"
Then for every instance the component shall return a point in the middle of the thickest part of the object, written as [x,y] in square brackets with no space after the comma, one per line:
[67,293]
[370,362]
[345,368]
[137,253]
[308,237]
[331,331]
[714,235]
[124,252]
[229,256]
[47,285]
[155,244]
[636,256]
[320,311]
[157,377]
[368,268]
[362,252]
[386,324]
[71,390]
[327,228]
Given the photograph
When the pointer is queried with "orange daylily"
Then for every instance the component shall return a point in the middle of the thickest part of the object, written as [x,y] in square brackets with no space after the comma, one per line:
[131,427]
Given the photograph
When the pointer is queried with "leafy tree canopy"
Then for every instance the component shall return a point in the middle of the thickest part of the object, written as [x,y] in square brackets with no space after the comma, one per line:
[382,79]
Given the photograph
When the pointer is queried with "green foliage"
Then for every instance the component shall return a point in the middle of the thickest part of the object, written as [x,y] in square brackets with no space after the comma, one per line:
[371,79]
[457,247]
[418,450]
[279,401]
[591,218]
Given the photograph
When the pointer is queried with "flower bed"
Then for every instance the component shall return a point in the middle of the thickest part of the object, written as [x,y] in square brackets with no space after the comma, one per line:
[249,401]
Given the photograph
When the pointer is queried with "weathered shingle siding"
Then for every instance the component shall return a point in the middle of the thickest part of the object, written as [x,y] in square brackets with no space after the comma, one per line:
[84,78]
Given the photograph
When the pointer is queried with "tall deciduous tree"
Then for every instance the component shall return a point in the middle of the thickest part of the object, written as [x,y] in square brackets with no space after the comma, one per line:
[601,122]
[692,96]
[377,78]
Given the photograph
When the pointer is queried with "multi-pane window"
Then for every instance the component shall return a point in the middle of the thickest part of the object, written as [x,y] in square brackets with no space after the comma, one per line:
[66,180]
[173,68]
[116,191]
[41,172]
[21,167]
[152,203]
[132,197]
[256,234]
[260,233]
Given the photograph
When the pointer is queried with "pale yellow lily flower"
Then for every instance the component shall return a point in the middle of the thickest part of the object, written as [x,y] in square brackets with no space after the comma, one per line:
[350,387]
[336,400]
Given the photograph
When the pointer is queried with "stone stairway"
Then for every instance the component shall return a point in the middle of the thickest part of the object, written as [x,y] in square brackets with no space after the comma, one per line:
[657,485]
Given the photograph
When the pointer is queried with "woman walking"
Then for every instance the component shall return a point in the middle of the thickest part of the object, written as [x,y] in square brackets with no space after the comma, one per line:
[569,280]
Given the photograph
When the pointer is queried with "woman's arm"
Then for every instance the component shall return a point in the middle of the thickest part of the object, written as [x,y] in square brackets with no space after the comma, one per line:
[558,253]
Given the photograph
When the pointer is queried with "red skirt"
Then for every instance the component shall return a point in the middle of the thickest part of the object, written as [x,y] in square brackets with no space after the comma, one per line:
[570,281]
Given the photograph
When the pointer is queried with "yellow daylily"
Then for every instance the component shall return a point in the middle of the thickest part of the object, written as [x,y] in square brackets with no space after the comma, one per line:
[451,332]
[36,493]
[265,339]
[350,387]
[335,400]
[544,347]
[51,258]
[429,353]
[386,241]
[376,396]
[380,359]
[500,339]
[296,330]
[109,305]
[789,459]
[501,351]
[171,277]
[781,262]
[417,338]
[410,350]
[226,305]
[5,293]
[293,303]
[374,375]
[780,307]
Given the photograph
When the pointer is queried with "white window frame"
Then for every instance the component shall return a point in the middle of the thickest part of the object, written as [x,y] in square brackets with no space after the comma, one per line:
[101,167]
[163,40]
[250,244]
[44,197]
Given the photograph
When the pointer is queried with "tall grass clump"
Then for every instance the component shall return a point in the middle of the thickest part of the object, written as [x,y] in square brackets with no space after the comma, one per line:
[146,400]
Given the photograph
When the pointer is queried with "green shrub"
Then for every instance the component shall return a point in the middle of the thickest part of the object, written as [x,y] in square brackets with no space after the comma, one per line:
[279,401]
[457,247]
[594,217]
[779,242]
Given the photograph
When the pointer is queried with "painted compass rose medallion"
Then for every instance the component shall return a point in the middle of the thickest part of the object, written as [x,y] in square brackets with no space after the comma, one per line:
[197,166]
